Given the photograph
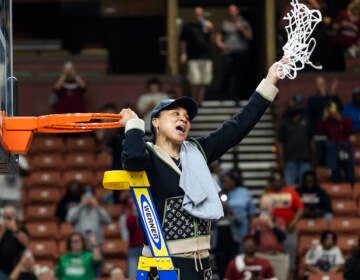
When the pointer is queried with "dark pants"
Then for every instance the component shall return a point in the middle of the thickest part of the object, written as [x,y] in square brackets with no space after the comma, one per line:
[235,68]
[340,157]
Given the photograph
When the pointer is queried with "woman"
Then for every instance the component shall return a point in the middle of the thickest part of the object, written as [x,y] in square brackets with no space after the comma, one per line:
[184,193]
[325,257]
[71,198]
[317,203]
[77,263]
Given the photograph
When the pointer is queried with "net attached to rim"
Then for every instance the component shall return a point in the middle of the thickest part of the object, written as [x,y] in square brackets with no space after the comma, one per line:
[300,45]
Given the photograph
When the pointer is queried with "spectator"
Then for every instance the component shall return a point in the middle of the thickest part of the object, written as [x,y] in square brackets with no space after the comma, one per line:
[233,40]
[71,198]
[248,265]
[131,232]
[25,269]
[323,95]
[270,233]
[88,216]
[288,206]
[77,263]
[13,241]
[352,265]
[338,152]
[117,273]
[326,256]
[195,44]
[149,100]
[317,203]
[215,170]
[347,27]
[44,273]
[11,185]
[295,145]
[69,90]
[239,201]
[352,110]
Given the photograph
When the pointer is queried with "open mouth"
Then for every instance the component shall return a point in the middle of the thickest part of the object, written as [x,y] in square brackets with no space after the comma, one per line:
[180,128]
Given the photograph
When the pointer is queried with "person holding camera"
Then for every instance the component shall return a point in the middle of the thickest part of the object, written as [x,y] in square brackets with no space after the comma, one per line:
[13,241]
[25,269]
[68,91]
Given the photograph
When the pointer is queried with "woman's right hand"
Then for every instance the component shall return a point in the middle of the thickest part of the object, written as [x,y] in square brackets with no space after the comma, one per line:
[127,114]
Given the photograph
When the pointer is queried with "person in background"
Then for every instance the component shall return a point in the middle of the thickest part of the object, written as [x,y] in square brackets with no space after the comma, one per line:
[295,145]
[149,100]
[352,110]
[317,203]
[116,273]
[352,264]
[288,206]
[71,198]
[248,265]
[233,40]
[77,263]
[13,241]
[25,269]
[195,45]
[326,256]
[131,232]
[68,91]
[270,233]
[338,151]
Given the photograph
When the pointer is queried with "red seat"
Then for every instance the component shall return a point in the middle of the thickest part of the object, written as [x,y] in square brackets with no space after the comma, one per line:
[43,195]
[46,162]
[46,144]
[330,276]
[103,161]
[345,225]
[355,139]
[306,242]
[79,161]
[311,226]
[65,230]
[357,172]
[42,230]
[113,210]
[337,190]
[44,249]
[115,248]
[344,207]
[109,264]
[356,191]
[347,243]
[80,144]
[85,177]
[44,178]
[111,230]
[323,174]
[357,155]
[39,212]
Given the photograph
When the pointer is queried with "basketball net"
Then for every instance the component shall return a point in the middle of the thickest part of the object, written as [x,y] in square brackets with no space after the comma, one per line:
[299,46]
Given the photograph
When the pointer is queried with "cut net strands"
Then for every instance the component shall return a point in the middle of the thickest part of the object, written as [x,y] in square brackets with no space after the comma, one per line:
[299,46]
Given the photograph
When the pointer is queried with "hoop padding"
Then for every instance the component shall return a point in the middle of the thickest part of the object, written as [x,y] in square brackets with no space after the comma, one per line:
[299,46]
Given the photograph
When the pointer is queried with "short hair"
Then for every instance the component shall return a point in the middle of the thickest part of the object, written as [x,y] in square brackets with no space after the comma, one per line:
[233,175]
[250,237]
[153,81]
[68,240]
[324,235]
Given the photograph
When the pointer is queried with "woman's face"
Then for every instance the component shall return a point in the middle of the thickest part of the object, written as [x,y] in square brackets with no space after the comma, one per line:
[173,124]
[228,183]
[328,242]
[76,244]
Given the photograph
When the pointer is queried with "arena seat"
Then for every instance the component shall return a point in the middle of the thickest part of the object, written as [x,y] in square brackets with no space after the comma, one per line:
[111,263]
[39,212]
[42,230]
[44,249]
[103,161]
[80,144]
[337,190]
[83,161]
[46,162]
[44,178]
[43,195]
[115,248]
[344,207]
[330,276]
[85,177]
[347,243]
[306,242]
[114,210]
[311,226]
[65,229]
[46,144]
[323,174]
[347,225]
[111,230]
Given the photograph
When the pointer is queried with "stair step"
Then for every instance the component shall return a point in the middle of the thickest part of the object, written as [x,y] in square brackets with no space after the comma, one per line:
[257,157]
[256,148]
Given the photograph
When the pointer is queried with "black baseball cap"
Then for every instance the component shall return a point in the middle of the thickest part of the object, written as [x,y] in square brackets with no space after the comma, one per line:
[184,102]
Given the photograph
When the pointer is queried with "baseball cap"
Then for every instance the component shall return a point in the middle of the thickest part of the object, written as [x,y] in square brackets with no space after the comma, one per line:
[184,102]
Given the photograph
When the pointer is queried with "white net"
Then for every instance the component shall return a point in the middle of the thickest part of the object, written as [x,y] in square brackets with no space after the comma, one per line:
[300,45]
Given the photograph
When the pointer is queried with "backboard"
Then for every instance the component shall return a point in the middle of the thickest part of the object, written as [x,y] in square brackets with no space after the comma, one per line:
[8,162]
